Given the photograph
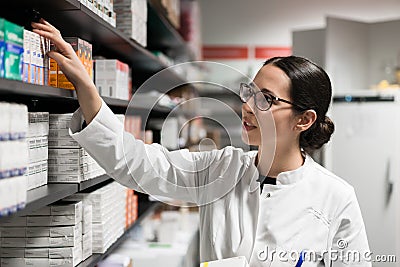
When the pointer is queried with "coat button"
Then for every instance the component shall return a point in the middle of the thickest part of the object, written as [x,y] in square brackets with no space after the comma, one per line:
[268,195]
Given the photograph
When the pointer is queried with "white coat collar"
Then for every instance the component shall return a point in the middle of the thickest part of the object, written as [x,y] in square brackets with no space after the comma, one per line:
[284,178]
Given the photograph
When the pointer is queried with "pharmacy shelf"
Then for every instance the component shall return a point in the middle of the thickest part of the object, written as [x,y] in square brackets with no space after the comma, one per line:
[162,35]
[50,193]
[75,19]
[93,182]
[45,195]
[95,258]
[36,92]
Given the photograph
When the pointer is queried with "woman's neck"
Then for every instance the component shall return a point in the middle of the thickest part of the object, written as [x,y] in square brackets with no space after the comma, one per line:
[286,160]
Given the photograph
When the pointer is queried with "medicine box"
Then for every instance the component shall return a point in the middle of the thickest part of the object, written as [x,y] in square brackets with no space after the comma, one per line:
[2,47]
[36,174]
[24,252]
[13,54]
[87,218]
[38,148]
[60,208]
[40,242]
[25,262]
[12,196]
[62,220]
[26,57]
[87,248]
[38,124]
[67,153]
[66,253]
[53,231]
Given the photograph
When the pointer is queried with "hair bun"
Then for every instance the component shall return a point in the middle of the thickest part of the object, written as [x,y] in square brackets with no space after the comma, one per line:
[317,135]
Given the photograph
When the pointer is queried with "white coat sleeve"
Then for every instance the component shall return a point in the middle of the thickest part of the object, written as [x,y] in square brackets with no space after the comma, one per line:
[350,243]
[154,170]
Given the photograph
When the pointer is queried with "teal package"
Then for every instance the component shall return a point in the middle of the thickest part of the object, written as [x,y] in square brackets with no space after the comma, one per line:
[2,48]
[14,49]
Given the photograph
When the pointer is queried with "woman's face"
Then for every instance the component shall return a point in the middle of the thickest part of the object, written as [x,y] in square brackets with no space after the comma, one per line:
[258,126]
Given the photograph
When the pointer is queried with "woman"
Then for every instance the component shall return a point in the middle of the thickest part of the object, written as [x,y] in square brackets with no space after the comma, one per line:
[293,206]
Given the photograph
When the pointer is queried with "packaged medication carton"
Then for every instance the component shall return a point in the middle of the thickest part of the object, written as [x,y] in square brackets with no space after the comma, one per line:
[38,124]
[27,56]
[59,208]
[13,158]
[53,73]
[36,174]
[83,50]
[2,47]
[67,253]
[45,47]
[12,196]
[67,153]
[24,262]
[36,252]
[87,248]
[24,252]
[13,221]
[5,119]
[71,256]
[38,60]
[12,231]
[64,262]
[18,121]
[37,231]
[13,54]
[51,231]
[40,242]
[38,148]
[61,220]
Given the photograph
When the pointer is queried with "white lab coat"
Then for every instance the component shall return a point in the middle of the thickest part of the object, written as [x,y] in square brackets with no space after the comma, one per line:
[308,208]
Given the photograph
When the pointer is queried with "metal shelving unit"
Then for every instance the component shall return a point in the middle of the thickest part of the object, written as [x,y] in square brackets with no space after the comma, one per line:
[74,19]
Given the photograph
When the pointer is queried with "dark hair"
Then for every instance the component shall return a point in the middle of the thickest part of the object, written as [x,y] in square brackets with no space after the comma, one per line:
[310,88]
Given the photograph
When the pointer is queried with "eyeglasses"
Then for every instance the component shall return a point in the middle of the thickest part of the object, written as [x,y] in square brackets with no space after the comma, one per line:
[262,100]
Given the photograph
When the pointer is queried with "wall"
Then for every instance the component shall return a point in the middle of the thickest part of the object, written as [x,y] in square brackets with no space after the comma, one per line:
[261,22]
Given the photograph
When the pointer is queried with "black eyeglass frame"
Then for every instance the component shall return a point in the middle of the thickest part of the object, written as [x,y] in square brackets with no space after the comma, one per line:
[273,98]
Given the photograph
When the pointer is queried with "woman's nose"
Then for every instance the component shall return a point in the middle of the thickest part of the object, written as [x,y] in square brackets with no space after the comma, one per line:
[246,107]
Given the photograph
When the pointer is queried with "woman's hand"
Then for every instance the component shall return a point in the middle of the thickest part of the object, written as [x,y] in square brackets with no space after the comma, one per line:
[71,66]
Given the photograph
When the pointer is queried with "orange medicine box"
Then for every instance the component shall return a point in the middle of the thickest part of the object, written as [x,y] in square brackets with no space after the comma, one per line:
[79,47]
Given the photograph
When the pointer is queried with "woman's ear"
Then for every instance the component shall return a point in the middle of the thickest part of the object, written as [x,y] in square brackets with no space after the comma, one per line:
[305,120]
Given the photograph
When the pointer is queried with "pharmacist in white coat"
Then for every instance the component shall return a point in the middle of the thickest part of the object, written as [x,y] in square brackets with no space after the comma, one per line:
[264,214]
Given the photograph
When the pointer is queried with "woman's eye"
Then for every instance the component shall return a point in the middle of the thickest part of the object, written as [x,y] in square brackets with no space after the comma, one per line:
[269,99]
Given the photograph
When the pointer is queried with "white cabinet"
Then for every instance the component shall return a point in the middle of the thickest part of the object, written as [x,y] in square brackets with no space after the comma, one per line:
[365,152]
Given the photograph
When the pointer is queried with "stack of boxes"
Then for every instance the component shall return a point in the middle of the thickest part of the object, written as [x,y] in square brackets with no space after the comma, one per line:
[37,140]
[36,63]
[13,157]
[68,162]
[83,50]
[132,19]
[108,221]
[102,8]
[112,78]
[11,50]
[51,236]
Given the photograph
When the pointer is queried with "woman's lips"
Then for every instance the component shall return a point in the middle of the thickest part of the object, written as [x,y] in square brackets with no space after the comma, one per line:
[248,126]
